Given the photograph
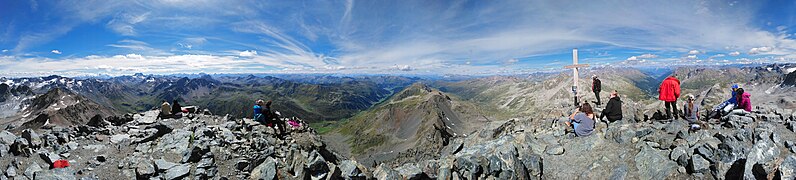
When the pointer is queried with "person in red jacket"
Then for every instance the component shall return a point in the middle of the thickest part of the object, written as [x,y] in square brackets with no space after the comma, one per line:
[669,92]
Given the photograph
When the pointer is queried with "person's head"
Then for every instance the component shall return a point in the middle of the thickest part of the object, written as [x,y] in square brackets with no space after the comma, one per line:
[268,104]
[614,94]
[690,98]
[175,101]
[735,87]
[260,102]
[739,92]
[594,76]
[586,108]
[164,101]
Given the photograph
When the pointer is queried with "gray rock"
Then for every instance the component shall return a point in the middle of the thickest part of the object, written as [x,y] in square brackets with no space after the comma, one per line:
[787,169]
[21,147]
[55,174]
[350,170]
[468,166]
[653,164]
[265,171]
[178,172]
[11,171]
[533,164]
[619,172]
[163,165]
[444,173]
[48,156]
[4,150]
[316,166]
[144,169]
[7,138]
[759,161]
[32,169]
[555,150]
[118,138]
[32,138]
[384,172]
[699,164]
[241,165]
[410,171]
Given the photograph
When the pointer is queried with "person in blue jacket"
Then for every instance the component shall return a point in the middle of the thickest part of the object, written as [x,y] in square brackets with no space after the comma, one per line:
[258,111]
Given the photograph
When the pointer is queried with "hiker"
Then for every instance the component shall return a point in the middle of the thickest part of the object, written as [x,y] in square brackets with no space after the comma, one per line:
[691,112]
[744,101]
[258,111]
[272,119]
[669,92]
[613,110]
[596,87]
[582,120]
[728,105]
[165,110]
[690,109]
[176,109]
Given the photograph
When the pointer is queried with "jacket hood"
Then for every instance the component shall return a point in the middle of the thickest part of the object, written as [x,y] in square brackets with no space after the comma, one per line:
[746,95]
[673,78]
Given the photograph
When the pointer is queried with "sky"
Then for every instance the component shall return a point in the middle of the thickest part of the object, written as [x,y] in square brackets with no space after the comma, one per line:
[86,37]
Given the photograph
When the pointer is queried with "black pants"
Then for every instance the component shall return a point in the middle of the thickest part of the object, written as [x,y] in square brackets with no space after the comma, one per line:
[669,107]
[597,94]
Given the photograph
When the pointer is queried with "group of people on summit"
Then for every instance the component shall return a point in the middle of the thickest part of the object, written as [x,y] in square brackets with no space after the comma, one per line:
[583,120]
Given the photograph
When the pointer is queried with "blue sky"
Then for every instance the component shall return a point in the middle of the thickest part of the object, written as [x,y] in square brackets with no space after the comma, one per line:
[402,37]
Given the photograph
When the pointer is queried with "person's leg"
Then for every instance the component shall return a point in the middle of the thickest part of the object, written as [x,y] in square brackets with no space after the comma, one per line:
[597,94]
[674,107]
[668,110]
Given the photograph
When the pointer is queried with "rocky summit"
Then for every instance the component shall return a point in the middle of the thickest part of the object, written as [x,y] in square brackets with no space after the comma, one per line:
[757,145]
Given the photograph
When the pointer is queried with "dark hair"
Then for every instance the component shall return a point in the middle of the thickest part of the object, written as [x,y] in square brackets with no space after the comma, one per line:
[268,104]
[175,101]
[165,100]
[586,108]
[739,92]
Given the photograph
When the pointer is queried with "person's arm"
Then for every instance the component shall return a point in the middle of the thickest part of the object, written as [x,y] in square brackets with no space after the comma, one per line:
[572,117]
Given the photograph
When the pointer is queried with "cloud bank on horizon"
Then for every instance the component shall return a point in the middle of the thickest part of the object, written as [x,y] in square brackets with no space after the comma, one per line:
[416,37]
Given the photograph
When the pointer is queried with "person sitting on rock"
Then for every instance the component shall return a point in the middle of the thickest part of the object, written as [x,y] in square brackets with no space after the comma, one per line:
[165,110]
[582,120]
[728,105]
[744,100]
[690,109]
[613,110]
[176,109]
[272,119]
[258,111]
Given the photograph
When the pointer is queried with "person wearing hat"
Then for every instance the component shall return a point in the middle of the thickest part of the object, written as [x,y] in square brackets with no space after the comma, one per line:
[690,109]
[596,87]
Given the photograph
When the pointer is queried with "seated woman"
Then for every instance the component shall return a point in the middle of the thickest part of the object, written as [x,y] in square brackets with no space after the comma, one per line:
[744,100]
[582,120]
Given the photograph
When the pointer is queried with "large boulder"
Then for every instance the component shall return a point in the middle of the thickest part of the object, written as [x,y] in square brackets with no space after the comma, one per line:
[410,171]
[653,164]
[316,166]
[350,170]
[759,161]
[178,172]
[32,137]
[265,171]
[55,174]
[7,137]
[384,172]
[788,168]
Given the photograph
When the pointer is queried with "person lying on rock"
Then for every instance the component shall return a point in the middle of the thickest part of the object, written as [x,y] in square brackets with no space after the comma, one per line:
[613,110]
[582,120]
[728,105]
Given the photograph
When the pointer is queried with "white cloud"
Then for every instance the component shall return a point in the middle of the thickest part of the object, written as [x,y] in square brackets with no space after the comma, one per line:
[632,58]
[692,52]
[403,67]
[510,61]
[760,50]
[247,53]
[693,56]
[55,51]
[648,56]
[5,50]
[735,53]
